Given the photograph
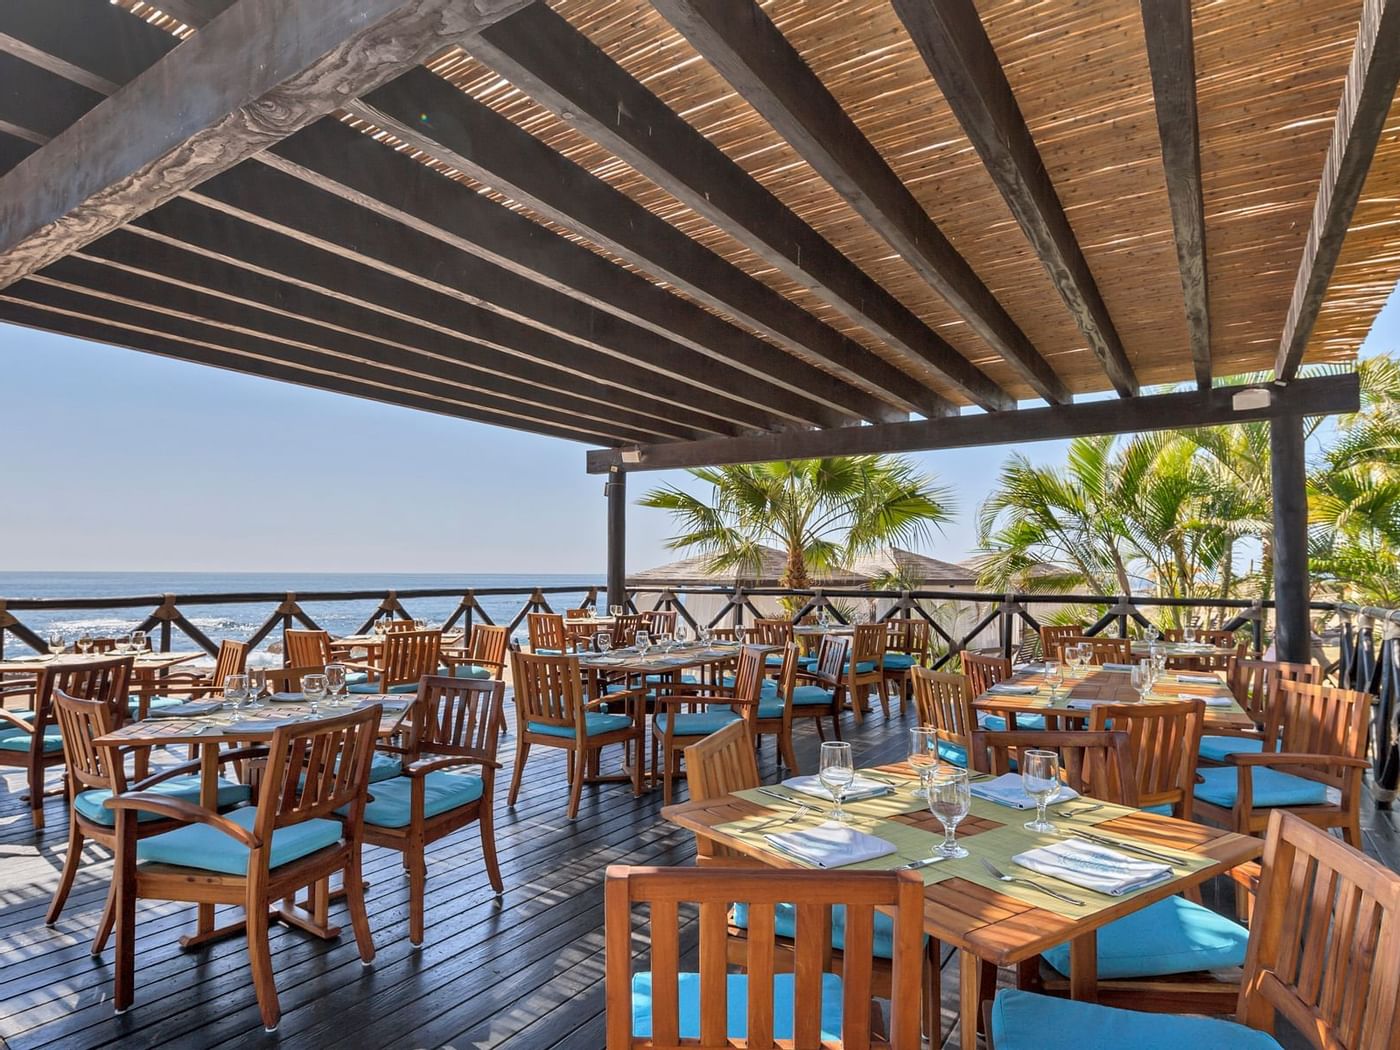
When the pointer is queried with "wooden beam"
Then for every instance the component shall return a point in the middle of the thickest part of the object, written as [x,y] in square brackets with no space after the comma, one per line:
[265,197]
[354,167]
[16,309]
[13,149]
[542,54]
[261,70]
[430,114]
[739,40]
[90,42]
[1194,408]
[1367,96]
[1288,479]
[950,36]
[195,13]
[1171,54]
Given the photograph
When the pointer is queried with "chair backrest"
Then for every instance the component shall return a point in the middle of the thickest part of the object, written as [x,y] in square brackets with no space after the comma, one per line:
[831,658]
[409,656]
[1205,636]
[626,626]
[106,681]
[1054,635]
[1315,719]
[912,636]
[288,679]
[748,678]
[391,625]
[661,621]
[1093,762]
[104,645]
[302,648]
[313,769]
[1324,942]
[1103,650]
[81,720]
[771,630]
[577,614]
[232,659]
[546,631]
[548,691]
[1164,739]
[868,645]
[488,645]
[716,765]
[458,716]
[1254,684]
[813,894]
[944,701]
[983,672]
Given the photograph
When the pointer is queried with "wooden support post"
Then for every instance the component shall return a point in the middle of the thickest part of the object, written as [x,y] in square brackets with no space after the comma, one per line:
[1292,632]
[616,489]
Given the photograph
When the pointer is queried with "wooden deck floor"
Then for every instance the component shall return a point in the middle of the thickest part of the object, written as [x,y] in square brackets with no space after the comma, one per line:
[523,972]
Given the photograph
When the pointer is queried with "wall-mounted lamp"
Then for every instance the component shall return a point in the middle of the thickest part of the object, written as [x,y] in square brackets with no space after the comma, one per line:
[631,455]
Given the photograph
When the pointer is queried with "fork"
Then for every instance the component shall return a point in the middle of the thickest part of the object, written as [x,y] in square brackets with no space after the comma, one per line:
[1001,876]
[801,814]
[1081,812]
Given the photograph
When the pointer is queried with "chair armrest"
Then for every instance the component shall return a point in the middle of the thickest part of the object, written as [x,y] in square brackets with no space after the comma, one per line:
[424,766]
[1236,731]
[177,809]
[15,720]
[1247,875]
[233,755]
[673,701]
[1280,758]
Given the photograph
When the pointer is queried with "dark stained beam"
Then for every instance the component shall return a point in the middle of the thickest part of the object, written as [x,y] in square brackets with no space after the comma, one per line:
[17,309]
[739,40]
[1367,95]
[1324,395]
[263,196]
[547,58]
[1171,54]
[90,42]
[336,159]
[425,111]
[258,72]
[950,37]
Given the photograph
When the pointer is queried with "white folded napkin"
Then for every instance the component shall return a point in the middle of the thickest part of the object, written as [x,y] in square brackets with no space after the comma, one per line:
[1212,701]
[287,698]
[831,845]
[1008,689]
[1115,667]
[1094,867]
[1085,703]
[861,787]
[1006,790]
[1198,679]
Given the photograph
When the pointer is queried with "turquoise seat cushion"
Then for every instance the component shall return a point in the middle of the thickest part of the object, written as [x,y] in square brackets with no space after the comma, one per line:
[696,723]
[200,846]
[443,789]
[737,1001]
[1162,809]
[997,724]
[1026,1021]
[1219,786]
[953,753]
[811,695]
[773,660]
[373,687]
[383,766]
[548,652]
[864,667]
[807,663]
[595,723]
[662,679]
[1169,937]
[92,804]
[13,738]
[770,707]
[785,925]
[899,661]
[356,677]
[156,703]
[468,671]
[1219,748]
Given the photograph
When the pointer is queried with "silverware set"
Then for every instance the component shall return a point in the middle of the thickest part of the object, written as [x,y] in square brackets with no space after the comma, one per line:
[1001,876]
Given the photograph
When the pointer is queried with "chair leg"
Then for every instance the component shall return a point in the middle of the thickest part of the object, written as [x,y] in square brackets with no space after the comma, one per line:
[522,752]
[1351,832]
[933,995]
[36,796]
[836,723]
[355,904]
[417,887]
[487,827]
[124,876]
[667,771]
[883,691]
[576,766]
[637,769]
[71,861]
[821,729]
[260,957]
[109,917]
[785,747]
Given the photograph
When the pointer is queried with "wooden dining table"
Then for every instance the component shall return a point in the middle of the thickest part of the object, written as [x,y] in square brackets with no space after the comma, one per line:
[147,670]
[990,924]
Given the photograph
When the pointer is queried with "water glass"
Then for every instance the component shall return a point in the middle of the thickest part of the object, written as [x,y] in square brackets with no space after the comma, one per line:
[823,616]
[236,693]
[704,634]
[739,633]
[1083,653]
[682,635]
[335,683]
[257,686]
[614,611]
[84,643]
[313,688]
[1040,777]
[1142,678]
[1154,633]
[643,643]
[949,799]
[420,625]
[603,640]
[1188,634]
[923,755]
[837,773]
[1054,677]
[56,644]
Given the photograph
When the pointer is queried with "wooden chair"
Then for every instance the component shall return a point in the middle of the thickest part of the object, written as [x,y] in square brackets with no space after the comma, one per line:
[408,657]
[1103,650]
[1205,636]
[1053,636]
[983,672]
[552,709]
[661,621]
[95,775]
[908,646]
[310,812]
[1164,739]
[626,626]
[32,740]
[827,673]
[393,624]
[717,765]
[1323,954]
[1097,762]
[302,648]
[806,1009]
[455,728]
[684,715]
[547,634]
[1254,684]
[944,701]
[190,685]
[777,707]
[864,672]
[485,655]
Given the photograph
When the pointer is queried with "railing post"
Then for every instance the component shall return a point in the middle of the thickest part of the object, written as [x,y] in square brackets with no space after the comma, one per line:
[165,614]
[1004,623]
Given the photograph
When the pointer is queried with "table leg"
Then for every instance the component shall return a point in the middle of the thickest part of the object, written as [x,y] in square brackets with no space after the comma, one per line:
[1084,968]
[208,799]
[969,998]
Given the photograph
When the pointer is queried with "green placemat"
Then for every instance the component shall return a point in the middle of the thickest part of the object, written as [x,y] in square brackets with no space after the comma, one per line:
[1074,812]
[898,801]
[911,843]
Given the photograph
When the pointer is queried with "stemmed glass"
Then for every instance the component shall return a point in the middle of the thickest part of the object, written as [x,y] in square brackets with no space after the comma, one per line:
[667,643]
[603,640]
[1054,677]
[1081,653]
[1188,634]
[923,755]
[1142,678]
[313,688]
[1154,633]
[1040,777]
[420,625]
[257,685]
[614,611]
[682,635]
[949,799]
[739,633]
[335,683]
[56,644]
[823,617]
[837,773]
[138,642]
[704,635]
[84,643]
[643,643]
[236,693]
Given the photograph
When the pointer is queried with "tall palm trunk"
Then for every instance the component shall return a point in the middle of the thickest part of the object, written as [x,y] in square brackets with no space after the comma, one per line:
[794,577]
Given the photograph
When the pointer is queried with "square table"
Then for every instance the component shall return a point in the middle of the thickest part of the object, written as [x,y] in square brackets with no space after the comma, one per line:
[988,926]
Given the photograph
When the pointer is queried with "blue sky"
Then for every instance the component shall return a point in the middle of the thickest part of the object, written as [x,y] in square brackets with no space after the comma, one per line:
[117,460]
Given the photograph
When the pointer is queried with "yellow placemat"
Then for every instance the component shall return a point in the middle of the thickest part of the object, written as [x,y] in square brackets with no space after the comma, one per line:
[1079,812]
[900,800]
[911,843]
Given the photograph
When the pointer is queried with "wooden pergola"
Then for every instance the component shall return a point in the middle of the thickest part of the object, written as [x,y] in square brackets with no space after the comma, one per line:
[713,231]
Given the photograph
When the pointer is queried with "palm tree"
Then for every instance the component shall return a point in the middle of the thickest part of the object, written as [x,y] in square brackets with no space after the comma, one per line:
[822,513]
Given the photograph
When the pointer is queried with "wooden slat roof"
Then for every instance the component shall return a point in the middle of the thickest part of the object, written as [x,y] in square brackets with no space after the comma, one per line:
[578,304]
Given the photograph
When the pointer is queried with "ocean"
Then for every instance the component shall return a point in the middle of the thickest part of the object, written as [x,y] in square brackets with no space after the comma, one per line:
[240,621]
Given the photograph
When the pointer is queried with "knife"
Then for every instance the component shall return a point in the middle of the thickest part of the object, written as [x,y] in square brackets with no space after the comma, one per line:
[1171,862]
[914,864]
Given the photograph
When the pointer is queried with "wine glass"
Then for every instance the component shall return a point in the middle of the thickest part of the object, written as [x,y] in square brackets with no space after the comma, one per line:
[1142,678]
[923,755]
[681,635]
[1154,633]
[837,773]
[335,683]
[949,799]
[667,643]
[643,643]
[313,688]
[614,611]
[85,643]
[1188,634]
[56,644]
[823,616]
[1083,653]
[739,633]
[704,634]
[236,693]
[1040,777]
[138,642]
[257,686]
[604,640]
[420,625]
[1054,677]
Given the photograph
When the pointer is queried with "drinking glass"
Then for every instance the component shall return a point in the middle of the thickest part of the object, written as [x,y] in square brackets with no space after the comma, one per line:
[56,645]
[84,643]
[257,686]
[739,633]
[667,643]
[1054,677]
[236,693]
[1142,678]
[420,625]
[604,640]
[1188,634]
[682,635]
[138,641]
[643,643]
[949,799]
[335,683]
[1154,633]
[1083,653]
[704,635]
[614,611]
[313,687]
[837,773]
[1040,777]
[823,616]
[923,755]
